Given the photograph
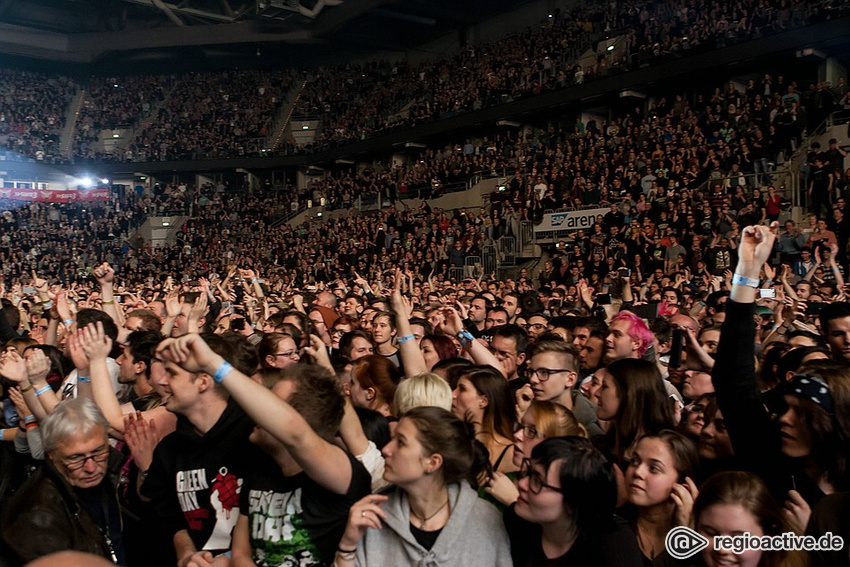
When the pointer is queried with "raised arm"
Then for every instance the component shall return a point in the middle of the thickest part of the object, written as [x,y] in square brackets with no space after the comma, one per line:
[734,375]
[323,462]
[411,356]
[453,327]
[105,276]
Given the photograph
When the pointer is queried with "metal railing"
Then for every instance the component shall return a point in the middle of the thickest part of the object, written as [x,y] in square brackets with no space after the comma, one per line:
[784,181]
[526,235]
[507,250]
[472,266]
[797,164]
[489,258]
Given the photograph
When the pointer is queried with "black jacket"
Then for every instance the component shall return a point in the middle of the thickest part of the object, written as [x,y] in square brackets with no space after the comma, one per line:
[754,436]
[46,516]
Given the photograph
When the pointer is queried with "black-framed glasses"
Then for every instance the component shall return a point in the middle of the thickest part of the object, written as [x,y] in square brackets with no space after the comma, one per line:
[535,481]
[78,462]
[543,374]
[528,431]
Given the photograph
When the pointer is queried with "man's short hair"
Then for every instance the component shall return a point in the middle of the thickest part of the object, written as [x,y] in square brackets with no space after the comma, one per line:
[429,330]
[832,311]
[568,351]
[346,342]
[317,397]
[662,329]
[514,332]
[13,316]
[142,346]
[235,349]
[487,302]
[637,331]
[86,317]
[497,309]
[355,297]
[150,321]
[71,417]
[595,325]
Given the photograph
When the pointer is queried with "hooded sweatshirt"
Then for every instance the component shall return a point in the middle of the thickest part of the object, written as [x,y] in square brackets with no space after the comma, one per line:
[195,480]
[474,535]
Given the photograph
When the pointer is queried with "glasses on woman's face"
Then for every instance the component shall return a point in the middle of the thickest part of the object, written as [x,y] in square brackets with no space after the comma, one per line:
[528,431]
[291,354]
[79,461]
[535,480]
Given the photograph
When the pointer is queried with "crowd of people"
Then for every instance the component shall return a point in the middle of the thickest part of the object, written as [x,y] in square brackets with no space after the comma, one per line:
[113,103]
[357,101]
[230,113]
[208,115]
[731,136]
[351,391]
[292,411]
[32,114]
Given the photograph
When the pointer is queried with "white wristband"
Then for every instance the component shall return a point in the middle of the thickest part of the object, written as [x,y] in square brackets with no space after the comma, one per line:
[738,279]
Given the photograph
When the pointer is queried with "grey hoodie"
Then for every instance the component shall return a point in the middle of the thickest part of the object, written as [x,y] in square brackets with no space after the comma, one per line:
[474,536]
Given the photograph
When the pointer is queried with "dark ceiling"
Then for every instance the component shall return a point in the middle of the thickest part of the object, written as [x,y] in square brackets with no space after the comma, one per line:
[113,33]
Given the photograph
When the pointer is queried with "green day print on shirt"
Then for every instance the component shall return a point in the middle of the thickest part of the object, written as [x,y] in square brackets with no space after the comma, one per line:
[278,537]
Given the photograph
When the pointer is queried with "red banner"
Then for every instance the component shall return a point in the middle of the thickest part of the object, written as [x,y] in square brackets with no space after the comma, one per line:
[55,196]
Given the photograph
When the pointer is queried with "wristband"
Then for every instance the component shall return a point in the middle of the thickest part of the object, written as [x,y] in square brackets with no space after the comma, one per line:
[83,379]
[47,304]
[222,371]
[68,322]
[738,279]
[404,339]
[31,425]
[346,551]
[42,390]
[464,337]
[110,302]
[2,432]
[27,389]
[254,280]
[30,417]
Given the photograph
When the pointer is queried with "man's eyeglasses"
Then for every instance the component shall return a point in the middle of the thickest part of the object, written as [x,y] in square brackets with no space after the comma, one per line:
[535,481]
[543,374]
[339,332]
[528,431]
[78,462]
[293,354]
[502,353]
[537,326]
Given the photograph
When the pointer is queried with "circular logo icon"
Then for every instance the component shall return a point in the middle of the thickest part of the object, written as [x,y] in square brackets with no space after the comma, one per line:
[683,543]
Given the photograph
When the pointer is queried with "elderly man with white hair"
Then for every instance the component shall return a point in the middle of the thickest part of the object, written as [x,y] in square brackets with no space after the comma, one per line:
[69,503]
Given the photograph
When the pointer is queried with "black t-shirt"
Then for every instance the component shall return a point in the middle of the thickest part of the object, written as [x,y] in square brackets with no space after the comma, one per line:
[423,538]
[615,547]
[293,520]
